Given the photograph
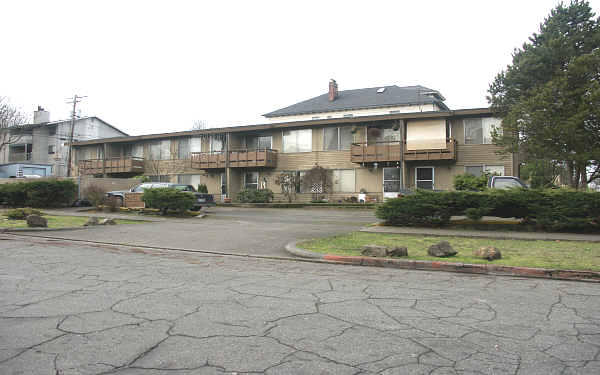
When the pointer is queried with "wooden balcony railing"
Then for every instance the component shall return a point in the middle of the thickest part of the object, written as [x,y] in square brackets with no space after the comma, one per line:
[127,164]
[237,159]
[390,151]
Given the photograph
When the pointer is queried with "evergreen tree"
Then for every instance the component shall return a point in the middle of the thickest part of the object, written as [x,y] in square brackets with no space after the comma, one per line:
[549,97]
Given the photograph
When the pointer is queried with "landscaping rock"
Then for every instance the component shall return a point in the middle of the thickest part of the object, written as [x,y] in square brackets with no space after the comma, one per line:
[92,221]
[441,249]
[374,251]
[487,252]
[107,222]
[36,221]
[398,251]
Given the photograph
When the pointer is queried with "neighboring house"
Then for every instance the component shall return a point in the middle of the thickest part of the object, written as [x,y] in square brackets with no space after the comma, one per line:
[46,142]
[383,153]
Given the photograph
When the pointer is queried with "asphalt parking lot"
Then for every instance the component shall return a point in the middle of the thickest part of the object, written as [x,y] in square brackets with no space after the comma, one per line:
[261,231]
[75,308]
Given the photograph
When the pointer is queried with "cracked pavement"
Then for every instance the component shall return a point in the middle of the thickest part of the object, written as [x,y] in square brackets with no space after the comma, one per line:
[76,308]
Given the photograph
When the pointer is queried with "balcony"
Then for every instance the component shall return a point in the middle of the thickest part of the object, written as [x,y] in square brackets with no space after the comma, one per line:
[390,151]
[237,159]
[128,164]
[448,153]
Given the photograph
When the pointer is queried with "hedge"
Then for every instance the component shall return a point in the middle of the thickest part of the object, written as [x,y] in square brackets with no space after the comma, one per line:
[166,199]
[255,196]
[47,193]
[548,210]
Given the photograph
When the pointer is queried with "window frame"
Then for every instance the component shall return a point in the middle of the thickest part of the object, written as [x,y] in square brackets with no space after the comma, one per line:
[338,171]
[51,149]
[432,177]
[258,137]
[484,168]
[483,133]
[399,180]
[283,144]
[187,140]
[246,183]
[339,138]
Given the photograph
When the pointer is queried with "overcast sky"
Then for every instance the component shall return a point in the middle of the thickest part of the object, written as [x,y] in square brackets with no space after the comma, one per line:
[157,66]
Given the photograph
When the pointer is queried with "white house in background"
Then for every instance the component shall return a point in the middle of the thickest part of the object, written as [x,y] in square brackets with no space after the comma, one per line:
[374,101]
[45,142]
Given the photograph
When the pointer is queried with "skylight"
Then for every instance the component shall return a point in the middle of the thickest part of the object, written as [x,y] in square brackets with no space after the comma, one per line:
[379,91]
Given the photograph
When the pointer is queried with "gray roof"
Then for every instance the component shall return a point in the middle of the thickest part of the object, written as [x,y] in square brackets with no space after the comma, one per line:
[364,98]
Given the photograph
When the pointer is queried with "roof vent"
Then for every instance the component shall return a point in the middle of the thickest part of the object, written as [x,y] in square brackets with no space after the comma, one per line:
[379,91]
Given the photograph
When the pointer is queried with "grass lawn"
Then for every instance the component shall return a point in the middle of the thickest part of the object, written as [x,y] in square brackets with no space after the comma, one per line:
[541,254]
[57,222]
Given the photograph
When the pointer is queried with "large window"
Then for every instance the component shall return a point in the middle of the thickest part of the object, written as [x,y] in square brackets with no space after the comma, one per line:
[160,150]
[375,134]
[189,179]
[477,170]
[259,142]
[343,181]
[251,180]
[424,178]
[297,140]
[479,130]
[216,144]
[392,179]
[183,149]
[338,138]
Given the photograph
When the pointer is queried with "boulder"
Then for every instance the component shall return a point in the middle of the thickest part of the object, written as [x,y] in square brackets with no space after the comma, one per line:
[107,222]
[36,221]
[92,221]
[398,251]
[441,249]
[487,252]
[374,251]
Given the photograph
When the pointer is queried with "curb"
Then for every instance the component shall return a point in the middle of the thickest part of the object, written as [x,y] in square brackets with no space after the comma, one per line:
[10,230]
[428,265]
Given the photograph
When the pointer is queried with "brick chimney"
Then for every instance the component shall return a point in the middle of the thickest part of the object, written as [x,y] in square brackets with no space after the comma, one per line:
[333,90]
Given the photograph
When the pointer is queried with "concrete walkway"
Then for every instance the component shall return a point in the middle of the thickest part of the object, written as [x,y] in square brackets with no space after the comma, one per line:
[484,234]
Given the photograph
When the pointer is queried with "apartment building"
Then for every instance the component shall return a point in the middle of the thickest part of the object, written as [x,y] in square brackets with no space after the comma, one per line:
[41,148]
[382,140]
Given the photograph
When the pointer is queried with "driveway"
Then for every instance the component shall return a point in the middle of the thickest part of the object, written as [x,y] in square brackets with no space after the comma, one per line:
[73,308]
[261,231]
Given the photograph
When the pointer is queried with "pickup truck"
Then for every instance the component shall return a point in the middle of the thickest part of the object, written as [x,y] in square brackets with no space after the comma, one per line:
[202,200]
[506,182]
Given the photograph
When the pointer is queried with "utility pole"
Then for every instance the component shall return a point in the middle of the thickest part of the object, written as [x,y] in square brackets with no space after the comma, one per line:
[76,99]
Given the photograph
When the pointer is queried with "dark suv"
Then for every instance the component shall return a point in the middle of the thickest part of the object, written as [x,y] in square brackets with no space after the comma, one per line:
[201,198]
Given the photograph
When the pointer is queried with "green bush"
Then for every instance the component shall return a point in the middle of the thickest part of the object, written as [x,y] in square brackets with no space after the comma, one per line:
[47,193]
[255,196]
[469,182]
[22,213]
[202,188]
[166,199]
[548,210]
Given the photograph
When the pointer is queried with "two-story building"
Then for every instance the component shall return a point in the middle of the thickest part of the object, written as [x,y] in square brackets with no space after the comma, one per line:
[382,140]
[42,147]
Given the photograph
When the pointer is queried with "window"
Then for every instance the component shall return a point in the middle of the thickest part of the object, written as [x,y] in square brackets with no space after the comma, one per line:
[216,144]
[154,151]
[338,138]
[189,179]
[343,181]
[259,142]
[159,178]
[183,149]
[51,131]
[251,180]
[375,134]
[476,170]
[424,178]
[297,140]
[160,150]
[479,130]
[51,149]
[497,170]
[392,178]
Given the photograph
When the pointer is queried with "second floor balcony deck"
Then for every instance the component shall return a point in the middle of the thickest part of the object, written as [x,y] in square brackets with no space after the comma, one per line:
[391,151]
[237,159]
[127,164]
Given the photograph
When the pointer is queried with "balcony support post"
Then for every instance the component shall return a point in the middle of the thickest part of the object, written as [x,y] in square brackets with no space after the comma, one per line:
[104,160]
[402,148]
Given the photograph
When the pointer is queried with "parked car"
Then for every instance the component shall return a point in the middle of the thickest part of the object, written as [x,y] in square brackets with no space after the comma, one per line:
[202,199]
[506,182]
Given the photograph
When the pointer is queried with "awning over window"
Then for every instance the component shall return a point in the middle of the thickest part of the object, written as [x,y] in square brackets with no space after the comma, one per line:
[425,135]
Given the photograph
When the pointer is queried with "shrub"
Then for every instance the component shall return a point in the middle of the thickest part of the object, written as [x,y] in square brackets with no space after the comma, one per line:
[202,188]
[166,199]
[549,210]
[469,182]
[22,213]
[95,194]
[255,196]
[47,193]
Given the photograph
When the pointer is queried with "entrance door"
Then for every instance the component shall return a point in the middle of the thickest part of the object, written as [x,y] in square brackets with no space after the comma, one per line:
[392,179]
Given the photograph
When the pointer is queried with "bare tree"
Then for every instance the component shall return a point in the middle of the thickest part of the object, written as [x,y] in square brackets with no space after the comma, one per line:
[318,181]
[200,125]
[11,121]
[288,182]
